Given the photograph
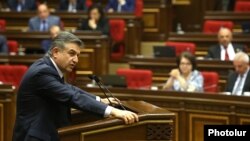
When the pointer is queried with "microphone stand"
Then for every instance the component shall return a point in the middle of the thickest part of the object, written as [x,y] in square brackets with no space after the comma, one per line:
[102,87]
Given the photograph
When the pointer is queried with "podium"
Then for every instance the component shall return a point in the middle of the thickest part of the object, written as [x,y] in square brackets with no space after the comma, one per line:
[155,123]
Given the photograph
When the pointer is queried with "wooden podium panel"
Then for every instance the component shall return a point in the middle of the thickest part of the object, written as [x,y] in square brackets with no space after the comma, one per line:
[155,124]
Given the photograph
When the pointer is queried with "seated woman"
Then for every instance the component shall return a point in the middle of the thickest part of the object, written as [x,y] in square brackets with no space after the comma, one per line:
[186,77]
[96,20]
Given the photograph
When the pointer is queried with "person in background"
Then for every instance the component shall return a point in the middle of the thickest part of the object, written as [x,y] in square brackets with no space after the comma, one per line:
[3,45]
[22,5]
[96,20]
[239,81]
[224,5]
[44,99]
[225,50]
[44,20]
[121,6]
[54,31]
[72,5]
[186,77]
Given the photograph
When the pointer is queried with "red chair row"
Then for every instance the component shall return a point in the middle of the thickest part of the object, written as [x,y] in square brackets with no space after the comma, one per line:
[142,79]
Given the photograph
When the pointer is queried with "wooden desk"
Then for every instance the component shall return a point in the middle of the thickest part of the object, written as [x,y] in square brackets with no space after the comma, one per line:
[193,110]
[19,21]
[7,112]
[204,41]
[236,17]
[162,66]
[155,124]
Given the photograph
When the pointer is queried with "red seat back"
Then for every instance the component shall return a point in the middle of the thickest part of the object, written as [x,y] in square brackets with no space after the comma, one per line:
[137,79]
[2,25]
[242,6]
[213,26]
[139,8]
[182,46]
[13,46]
[12,74]
[88,3]
[211,81]
[117,34]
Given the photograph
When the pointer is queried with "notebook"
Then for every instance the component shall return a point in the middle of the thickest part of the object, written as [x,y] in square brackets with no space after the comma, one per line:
[114,80]
[164,51]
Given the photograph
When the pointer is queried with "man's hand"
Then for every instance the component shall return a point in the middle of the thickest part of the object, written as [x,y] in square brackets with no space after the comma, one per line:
[92,24]
[127,116]
[112,100]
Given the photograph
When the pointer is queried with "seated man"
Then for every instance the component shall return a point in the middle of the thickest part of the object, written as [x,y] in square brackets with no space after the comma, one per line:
[239,81]
[22,5]
[54,30]
[72,5]
[3,45]
[44,20]
[225,50]
[121,6]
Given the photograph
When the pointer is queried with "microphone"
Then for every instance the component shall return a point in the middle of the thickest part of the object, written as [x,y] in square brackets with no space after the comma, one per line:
[103,88]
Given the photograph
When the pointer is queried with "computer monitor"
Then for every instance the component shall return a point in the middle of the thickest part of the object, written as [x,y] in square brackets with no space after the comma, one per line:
[164,51]
[114,80]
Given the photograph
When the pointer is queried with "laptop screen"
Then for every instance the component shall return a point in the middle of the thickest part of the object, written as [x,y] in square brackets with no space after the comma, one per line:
[164,51]
[114,80]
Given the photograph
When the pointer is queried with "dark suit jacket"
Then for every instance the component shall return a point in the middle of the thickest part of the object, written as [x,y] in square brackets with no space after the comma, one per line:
[29,5]
[3,45]
[43,102]
[214,51]
[34,23]
[64,4]
[46,44]
[232,79]
[102,25]
[128,7]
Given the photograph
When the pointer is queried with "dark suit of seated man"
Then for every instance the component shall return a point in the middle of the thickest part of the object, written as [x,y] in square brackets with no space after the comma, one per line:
[72,5]
[225,50]
[44,20]
[239,81]
[22,5]
[121,6]
[3,45]
[44,99]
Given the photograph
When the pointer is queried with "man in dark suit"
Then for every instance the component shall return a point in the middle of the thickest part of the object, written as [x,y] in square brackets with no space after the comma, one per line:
[54,31]
[121,6]
[239,81]
[44,20]
[72,5]
[3,45]
[225,50]
[22,5]
[44,99]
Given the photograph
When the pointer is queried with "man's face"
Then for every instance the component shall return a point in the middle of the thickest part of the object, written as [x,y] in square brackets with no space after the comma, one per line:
[94,14]
[240,66]
[66,58]
[224,37]
[54,32]
[43,12]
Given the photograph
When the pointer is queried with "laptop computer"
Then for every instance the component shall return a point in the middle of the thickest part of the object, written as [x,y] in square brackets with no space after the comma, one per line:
[164,51]
[114,80]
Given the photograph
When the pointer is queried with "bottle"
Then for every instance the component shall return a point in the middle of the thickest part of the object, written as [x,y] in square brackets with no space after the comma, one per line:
[179,29]
[21,50]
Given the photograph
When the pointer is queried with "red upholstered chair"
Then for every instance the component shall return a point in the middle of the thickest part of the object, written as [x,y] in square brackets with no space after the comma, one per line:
[182,46]
[12,74]
[88,3]
[117,34]
[242,6]
[136,79]
[213,26]
[13,46]
[2,25]
[139,8]
[211,81]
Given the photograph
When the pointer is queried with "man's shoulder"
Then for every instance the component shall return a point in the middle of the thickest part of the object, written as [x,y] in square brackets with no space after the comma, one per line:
[34,19]
[41,66]
[214,47]
[53,17]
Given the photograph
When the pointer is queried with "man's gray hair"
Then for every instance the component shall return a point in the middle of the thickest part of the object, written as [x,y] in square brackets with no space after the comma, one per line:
[241,56]
[62,38]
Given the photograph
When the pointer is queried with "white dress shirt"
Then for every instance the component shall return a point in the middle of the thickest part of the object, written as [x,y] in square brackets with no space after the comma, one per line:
[230,51]
[240,89]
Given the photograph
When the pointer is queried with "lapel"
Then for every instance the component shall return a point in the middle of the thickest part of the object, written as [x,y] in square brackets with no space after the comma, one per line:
[218,52]
[49,63]
[247,81]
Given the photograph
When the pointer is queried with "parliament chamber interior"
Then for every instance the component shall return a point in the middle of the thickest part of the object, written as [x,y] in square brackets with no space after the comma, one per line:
[139,58]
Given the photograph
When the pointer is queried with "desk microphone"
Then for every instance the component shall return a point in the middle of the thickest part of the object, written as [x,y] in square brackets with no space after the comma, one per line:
[103,88]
